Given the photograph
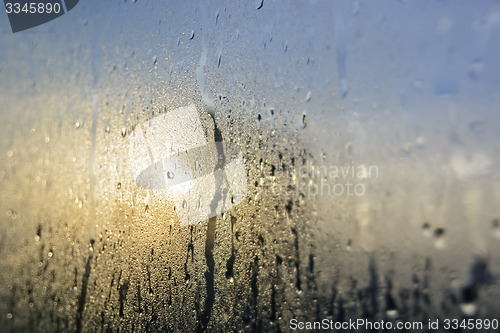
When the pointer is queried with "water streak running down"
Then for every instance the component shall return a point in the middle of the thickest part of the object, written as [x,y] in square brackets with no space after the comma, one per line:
[92,172]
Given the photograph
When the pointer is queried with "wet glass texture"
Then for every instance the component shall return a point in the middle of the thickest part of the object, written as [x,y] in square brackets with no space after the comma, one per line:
[365,182]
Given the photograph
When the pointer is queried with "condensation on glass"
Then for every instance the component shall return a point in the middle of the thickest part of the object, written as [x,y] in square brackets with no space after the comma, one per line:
[369,138]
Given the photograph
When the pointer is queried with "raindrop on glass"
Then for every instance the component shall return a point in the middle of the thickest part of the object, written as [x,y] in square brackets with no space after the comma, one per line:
[439,238]
[475,70]
[420,142]
[303,121]
[343,88]
[496,227]
[308,97]
[468,309]
[392,313]
[426,230]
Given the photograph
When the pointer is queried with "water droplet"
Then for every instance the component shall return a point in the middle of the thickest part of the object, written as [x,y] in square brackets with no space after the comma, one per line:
[107,129]
[124,132]
[468,309]
[475,69]
[343,88]
[304,121]
[439,232]
[192,35]
[259,4]
[9,315]
[184,204]
[170,175]
[217,14]
[496,227]
[426,230]
[12,214]
[50,254]
[77,124]
[308,97]
[10,153]
[348,148]
[47,139]
[407,148]
[392,313]
[119,185]
[418,85]
[439,238]
[355,8]
[420,142]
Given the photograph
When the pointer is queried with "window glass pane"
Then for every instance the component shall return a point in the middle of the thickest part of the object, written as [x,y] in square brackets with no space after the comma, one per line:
[238,165]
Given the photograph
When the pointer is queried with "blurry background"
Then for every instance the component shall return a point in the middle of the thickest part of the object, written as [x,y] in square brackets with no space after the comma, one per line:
[407,88]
